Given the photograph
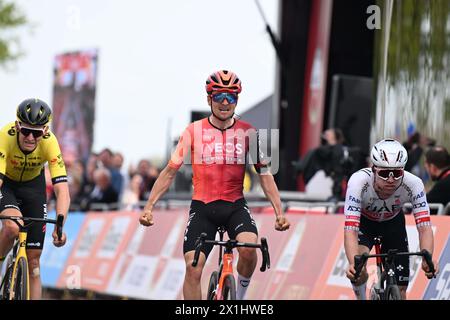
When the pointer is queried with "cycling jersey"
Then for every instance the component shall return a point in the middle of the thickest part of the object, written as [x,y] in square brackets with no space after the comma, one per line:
[361,199]
[22,166]
[218,158]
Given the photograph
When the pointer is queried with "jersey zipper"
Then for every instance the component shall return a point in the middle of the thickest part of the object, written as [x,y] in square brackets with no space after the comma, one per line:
[223,162]
[23,170]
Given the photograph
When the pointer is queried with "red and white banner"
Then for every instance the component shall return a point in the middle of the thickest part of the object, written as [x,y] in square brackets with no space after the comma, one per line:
[116,255]
[74,90]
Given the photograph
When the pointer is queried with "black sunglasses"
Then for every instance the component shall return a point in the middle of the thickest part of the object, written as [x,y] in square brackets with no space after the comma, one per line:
[35,132]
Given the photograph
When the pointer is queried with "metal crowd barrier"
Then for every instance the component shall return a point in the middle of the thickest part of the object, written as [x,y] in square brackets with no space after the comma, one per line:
[259,201]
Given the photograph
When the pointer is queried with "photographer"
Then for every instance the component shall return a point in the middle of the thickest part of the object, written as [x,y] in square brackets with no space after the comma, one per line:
[335,158]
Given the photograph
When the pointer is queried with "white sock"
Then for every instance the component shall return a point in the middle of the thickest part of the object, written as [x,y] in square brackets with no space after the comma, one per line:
[360,291]
[242,285]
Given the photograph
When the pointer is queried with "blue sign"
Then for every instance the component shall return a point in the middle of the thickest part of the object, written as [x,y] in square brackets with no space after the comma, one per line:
[439,288]
[53,259]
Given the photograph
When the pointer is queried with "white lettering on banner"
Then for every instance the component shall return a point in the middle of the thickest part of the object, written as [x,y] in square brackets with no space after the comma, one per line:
[290,250]
[338,272]
[73,279]
[114,237]
[170,245]
[443,284]
[88,238]
[171,281]
[137,280]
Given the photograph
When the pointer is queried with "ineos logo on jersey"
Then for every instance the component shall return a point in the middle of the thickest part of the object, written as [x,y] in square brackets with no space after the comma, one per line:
[229,147]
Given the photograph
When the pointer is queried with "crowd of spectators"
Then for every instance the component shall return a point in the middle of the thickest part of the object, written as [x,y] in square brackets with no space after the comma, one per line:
[102,180]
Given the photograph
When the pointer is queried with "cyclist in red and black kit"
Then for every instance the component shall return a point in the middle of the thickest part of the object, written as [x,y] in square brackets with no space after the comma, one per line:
[218,147]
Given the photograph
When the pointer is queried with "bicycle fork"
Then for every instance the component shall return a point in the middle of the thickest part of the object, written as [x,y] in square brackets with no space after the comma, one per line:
[20,253]
[377,286]
[227,268]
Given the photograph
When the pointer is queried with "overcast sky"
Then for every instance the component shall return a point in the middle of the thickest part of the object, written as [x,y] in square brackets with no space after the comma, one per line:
[154,57]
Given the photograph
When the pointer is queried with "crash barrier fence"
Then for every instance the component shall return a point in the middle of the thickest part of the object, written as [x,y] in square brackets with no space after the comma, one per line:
[111,253]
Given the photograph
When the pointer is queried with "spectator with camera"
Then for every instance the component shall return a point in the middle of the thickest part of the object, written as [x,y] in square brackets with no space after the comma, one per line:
[335,158]
[437,164]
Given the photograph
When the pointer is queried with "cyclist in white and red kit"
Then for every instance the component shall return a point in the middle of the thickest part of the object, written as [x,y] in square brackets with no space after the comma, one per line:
[373,207]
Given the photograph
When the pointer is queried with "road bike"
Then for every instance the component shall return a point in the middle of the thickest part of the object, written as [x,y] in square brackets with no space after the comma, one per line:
[386,288]
[15,284]
[222,283]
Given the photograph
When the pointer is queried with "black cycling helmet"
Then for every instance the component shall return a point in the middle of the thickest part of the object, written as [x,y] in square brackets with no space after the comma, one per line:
[34,112]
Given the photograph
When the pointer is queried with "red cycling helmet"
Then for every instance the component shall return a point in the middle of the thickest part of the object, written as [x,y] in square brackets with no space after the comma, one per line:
[223,81]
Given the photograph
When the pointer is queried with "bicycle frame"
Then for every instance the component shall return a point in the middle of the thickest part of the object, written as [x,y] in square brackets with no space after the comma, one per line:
[226,259]
[382,275]
[17,253]
[19,248]
[386,266]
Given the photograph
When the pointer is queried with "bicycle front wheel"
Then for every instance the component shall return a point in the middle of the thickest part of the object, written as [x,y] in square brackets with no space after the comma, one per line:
[229,288]
[21,280]
[7,279]
[213,281]
[393,293]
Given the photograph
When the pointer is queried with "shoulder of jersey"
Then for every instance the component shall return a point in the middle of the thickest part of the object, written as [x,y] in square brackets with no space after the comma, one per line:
[361,175]
[243,124]
[9,129]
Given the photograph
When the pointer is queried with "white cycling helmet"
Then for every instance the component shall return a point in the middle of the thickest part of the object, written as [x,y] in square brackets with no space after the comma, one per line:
[389,153]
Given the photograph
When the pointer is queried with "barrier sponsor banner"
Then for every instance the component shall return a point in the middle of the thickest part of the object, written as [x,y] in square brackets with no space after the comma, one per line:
[101,241]
[296,257]
[439,288]
[157,252]
[114,254]
[53,259]
[333,283]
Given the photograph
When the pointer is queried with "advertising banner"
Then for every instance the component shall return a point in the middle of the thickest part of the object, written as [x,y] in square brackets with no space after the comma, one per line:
[53,259]
[113,254]
[101,241]
[73,105]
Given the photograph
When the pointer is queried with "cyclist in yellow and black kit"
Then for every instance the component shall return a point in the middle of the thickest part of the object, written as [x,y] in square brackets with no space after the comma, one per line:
[25,146]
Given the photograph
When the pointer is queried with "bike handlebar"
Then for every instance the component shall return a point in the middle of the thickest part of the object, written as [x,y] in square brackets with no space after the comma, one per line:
[59,226]
[198,245]
[360,260]
[234,244]
[429,261]
[29,221]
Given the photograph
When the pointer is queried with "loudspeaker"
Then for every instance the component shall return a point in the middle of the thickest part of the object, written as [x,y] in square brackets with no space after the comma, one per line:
[350,107]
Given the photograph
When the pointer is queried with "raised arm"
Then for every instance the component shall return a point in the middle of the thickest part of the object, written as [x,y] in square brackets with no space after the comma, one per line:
[160,187]
[271,191]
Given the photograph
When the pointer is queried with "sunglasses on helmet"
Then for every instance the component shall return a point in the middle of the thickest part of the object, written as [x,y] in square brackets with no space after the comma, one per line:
[385,174]
[219,97]
[35,132]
